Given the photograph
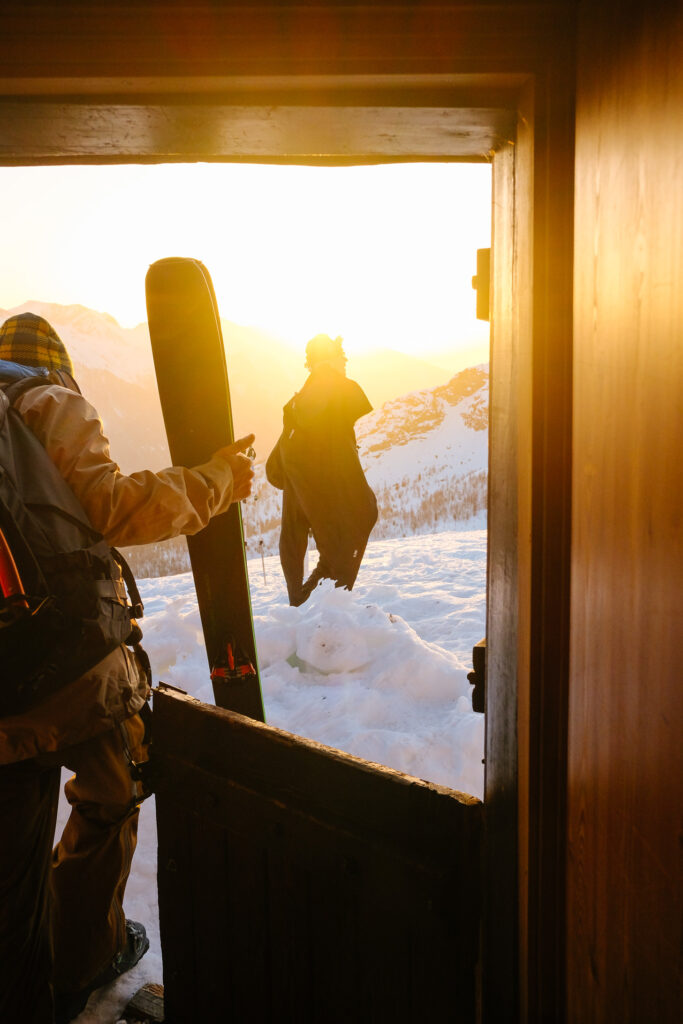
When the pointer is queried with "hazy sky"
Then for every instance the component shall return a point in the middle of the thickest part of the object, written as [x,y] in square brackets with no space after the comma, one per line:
[382,255]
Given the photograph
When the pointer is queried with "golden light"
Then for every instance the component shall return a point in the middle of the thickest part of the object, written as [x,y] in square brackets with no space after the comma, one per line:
[383,255]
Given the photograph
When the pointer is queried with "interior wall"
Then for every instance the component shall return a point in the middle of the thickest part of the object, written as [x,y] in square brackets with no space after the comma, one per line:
[625,771]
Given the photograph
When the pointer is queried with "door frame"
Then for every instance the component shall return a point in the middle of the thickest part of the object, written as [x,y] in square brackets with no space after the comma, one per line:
[84,94]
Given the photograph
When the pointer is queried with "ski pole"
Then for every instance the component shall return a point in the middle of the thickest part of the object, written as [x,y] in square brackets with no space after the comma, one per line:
[263,561]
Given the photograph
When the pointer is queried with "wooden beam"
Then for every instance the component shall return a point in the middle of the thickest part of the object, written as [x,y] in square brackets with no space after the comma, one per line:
[34,131]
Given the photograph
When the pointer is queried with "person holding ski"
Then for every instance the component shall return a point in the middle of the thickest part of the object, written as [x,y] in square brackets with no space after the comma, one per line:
[316,466]
[63,931]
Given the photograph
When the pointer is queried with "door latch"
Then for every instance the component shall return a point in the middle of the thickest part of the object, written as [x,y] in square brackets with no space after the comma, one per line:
[482,284]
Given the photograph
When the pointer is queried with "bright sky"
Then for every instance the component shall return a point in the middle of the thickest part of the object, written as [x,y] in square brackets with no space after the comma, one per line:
[382,255]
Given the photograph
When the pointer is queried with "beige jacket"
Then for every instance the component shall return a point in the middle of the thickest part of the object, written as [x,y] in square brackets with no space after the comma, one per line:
[138,509]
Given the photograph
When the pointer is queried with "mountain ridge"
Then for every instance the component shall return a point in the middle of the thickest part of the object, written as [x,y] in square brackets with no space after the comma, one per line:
[115,367]
[424,451]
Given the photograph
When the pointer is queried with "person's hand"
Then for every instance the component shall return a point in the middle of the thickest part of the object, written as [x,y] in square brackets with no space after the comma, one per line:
[242,467]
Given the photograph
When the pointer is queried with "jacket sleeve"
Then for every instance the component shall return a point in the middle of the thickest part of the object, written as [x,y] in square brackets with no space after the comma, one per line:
[139,508]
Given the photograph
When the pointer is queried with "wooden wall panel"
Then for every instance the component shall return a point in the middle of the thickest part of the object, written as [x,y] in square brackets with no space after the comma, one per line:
[625,765]
[208,40]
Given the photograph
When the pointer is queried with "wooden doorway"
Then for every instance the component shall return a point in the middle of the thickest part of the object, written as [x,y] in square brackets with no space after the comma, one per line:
[97,86]
[442,882]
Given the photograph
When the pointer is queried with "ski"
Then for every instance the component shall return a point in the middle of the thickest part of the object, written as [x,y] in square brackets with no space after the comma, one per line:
[189,359]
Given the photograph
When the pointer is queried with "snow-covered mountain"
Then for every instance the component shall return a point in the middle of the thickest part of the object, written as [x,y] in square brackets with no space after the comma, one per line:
[95,340]
[425,456]
[115,370]
[424,453]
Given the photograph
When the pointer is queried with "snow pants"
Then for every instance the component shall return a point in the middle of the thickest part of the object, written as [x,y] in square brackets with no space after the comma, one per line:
[339,563]
[61,910]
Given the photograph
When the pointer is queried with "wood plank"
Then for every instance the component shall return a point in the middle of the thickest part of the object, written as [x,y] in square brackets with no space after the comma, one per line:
[213,978]
[302,773]
[510,329]
[48,131]
[246,971]
[625,752]
[176,915]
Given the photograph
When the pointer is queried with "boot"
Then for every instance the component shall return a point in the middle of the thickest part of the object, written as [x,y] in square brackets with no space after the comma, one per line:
[69,1004]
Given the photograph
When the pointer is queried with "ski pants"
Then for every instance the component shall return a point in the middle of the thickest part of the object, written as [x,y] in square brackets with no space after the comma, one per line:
[61,910]
[340,563]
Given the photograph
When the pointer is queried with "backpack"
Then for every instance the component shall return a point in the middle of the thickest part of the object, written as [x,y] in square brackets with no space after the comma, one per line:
[63,591]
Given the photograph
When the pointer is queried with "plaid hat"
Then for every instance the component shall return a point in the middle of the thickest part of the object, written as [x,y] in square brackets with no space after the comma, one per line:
[323,347]
[30,340]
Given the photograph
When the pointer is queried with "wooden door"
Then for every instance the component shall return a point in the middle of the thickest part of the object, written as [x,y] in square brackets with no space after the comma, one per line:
[298,883]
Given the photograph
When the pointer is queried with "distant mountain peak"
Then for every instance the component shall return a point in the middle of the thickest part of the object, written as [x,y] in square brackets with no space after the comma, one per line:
[462,384]
[71,312]
[417,414]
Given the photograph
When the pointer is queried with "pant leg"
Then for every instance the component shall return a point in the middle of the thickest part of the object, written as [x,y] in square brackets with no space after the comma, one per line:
[293,544]
[340,564]
[347,563]
[29,797]
[91,862]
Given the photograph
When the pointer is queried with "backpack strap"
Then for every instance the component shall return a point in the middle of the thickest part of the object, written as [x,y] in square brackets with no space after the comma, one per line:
[16,388]
[138,609]
[14,391]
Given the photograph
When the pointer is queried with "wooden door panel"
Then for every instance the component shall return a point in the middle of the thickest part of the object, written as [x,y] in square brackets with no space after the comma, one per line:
[297,883]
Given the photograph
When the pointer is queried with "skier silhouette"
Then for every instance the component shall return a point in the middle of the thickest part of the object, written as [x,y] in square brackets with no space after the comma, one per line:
[315,464]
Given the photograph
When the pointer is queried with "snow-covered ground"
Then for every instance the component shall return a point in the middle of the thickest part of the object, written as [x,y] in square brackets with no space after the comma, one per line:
[379,672]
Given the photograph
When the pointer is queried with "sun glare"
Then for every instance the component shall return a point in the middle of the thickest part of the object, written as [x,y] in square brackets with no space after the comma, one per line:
[383,255]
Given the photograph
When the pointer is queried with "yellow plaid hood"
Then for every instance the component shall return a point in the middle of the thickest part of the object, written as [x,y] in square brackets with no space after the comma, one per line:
[29,339]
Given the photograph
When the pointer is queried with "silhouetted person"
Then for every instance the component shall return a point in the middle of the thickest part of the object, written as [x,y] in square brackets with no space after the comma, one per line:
[315,463]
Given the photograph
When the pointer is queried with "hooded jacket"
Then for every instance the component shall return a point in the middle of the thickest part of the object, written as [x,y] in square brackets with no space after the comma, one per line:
[316,460]
[139,508]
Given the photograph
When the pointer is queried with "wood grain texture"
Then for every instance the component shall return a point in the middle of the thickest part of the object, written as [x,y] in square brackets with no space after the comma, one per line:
[625,765]
[530,509]
[297,883]
[500,932]
[98,40]
[36,131]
